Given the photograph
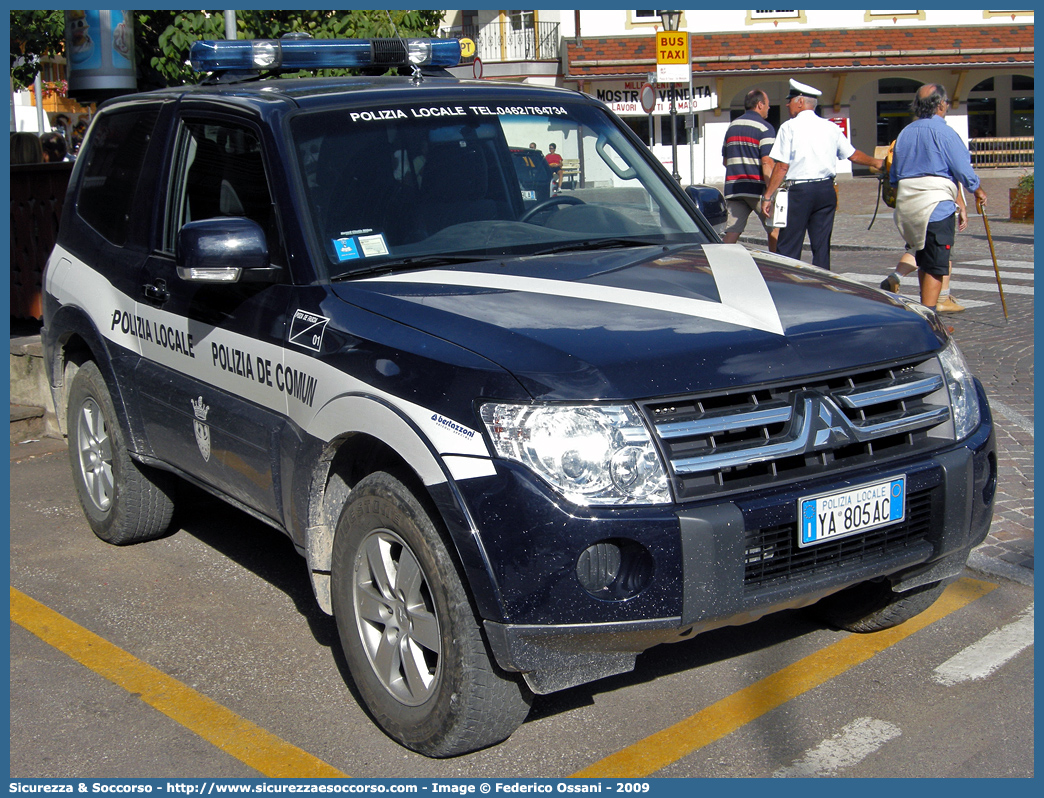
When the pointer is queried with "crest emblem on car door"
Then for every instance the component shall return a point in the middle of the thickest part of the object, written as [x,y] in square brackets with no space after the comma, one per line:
[201,428]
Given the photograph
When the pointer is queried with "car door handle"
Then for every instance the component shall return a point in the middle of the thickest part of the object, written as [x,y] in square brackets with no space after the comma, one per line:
[157,291]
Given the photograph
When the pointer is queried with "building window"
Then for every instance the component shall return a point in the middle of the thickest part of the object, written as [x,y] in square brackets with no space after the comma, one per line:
[878,16]
[648,19]
[640,125]
[892,117]
[775,17]
[665,129]
[982,117]
[1022,116]
[1022,105]
[897,86]
[521,20]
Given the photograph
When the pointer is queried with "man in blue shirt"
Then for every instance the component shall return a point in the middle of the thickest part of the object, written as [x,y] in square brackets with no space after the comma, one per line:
[929,160]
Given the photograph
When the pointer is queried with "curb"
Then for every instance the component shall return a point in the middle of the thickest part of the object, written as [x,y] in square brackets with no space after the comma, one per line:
[991,566]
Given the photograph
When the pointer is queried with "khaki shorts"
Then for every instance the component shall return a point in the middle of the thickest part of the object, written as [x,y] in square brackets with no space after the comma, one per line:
[739,209]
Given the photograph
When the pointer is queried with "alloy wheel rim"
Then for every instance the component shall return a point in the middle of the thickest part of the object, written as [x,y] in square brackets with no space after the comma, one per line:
[396,618]
[95,452]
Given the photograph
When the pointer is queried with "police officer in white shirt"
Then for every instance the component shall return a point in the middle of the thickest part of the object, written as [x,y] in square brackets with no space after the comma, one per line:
[806,153]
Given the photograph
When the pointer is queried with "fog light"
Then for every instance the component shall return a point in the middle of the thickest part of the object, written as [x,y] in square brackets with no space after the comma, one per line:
[614,569]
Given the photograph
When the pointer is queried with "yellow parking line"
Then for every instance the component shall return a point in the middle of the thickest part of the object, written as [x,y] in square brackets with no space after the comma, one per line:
[722,718]
[236,736]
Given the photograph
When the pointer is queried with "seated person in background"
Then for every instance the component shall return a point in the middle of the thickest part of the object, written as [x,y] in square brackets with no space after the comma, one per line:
[54,149]
[554,160]
[25,148]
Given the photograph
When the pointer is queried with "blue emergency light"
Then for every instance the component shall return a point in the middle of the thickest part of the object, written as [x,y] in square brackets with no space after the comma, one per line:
[292,54]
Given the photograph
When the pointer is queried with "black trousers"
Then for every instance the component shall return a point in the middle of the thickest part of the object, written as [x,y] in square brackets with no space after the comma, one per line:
[810,208]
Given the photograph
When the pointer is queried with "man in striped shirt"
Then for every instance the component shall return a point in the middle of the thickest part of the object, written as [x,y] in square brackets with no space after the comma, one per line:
[745,152]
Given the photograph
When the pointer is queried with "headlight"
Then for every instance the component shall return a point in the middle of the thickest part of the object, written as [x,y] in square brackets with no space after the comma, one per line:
[592,455]
[964,399]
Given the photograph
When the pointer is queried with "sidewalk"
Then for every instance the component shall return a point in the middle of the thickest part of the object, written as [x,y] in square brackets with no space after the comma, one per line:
[857,198]
[999,351]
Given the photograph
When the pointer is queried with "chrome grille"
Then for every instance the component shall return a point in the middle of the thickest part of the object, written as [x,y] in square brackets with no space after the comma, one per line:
[774,434]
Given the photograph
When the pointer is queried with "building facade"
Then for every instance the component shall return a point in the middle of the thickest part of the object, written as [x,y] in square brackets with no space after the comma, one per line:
[868,65]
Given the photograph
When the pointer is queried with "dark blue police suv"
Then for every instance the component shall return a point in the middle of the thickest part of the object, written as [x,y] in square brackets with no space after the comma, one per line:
[516,438]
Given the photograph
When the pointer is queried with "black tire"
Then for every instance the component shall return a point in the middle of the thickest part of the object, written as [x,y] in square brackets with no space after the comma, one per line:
[124,502]
[455,699]
[873,606]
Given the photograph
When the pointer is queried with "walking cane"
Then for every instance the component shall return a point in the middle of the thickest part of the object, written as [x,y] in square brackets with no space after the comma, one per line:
[993,254]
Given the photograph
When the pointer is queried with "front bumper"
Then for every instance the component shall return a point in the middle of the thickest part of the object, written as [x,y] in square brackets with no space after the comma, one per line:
[731,563]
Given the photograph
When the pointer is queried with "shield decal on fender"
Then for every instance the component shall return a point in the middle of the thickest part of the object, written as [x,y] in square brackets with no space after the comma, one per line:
[201,428]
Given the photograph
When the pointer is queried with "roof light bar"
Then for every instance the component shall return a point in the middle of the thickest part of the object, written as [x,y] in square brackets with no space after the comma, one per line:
[291,54]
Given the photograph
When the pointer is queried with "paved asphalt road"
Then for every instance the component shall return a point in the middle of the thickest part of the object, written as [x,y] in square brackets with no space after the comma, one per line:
[216,630]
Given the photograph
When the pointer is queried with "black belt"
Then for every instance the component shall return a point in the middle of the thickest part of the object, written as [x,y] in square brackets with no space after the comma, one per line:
[816,180]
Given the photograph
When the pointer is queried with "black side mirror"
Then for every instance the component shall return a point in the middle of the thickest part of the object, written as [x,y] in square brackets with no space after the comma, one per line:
[227,249]
[710,202]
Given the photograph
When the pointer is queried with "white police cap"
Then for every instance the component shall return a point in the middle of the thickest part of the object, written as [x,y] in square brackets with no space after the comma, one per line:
[798,89]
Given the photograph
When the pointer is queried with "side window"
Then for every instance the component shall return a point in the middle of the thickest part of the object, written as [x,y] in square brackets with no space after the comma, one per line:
[221,173]
[115,155]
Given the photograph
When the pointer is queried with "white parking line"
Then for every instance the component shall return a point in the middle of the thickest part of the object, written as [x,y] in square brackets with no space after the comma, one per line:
[1009,287]
[1012,415]
[1006,273]
[981,659]
[957,285]
[854,743]
[1001,264]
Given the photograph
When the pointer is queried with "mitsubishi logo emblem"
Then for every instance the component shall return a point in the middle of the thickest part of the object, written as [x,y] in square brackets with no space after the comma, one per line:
[832,428]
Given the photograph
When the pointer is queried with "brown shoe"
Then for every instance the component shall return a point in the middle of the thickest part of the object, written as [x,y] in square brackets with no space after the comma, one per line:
[948,305]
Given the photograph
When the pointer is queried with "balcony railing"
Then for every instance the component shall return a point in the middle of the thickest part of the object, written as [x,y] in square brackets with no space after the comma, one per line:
[1004,151]
[495,42]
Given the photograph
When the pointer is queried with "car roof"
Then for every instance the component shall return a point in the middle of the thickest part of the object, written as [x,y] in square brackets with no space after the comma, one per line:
[330,92]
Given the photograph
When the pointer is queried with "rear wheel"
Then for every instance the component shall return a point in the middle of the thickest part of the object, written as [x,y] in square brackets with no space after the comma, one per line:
[412,642]
[123,501]
[873,606]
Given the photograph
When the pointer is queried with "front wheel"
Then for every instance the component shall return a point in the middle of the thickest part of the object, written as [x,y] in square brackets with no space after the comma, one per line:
[873,606]
[412,643]
[124,502]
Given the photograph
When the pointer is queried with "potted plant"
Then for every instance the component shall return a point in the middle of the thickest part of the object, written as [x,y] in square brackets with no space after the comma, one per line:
[1020,199]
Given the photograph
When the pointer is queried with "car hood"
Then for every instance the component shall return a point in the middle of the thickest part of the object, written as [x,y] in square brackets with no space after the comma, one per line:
[651,321]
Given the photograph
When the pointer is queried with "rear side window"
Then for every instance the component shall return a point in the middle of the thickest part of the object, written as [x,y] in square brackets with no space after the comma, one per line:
[115,154]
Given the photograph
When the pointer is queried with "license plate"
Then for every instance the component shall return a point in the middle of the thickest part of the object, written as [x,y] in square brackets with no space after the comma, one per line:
[529,196]
[836,515]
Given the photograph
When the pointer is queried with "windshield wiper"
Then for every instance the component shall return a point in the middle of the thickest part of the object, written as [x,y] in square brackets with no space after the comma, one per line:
[406,264]
[598,243]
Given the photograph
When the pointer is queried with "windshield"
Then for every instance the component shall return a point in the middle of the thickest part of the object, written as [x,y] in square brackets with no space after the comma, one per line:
[396,186]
